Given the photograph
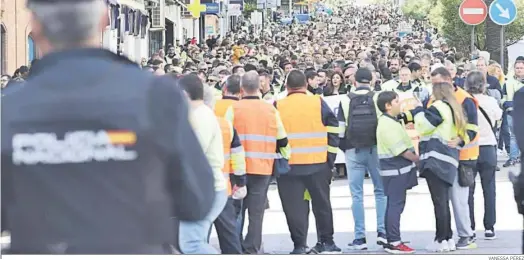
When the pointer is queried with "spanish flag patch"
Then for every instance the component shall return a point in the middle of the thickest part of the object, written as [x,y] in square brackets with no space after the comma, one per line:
[122,137]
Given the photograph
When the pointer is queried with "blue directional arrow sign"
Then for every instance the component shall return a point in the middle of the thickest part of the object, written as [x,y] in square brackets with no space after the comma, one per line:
[503,12]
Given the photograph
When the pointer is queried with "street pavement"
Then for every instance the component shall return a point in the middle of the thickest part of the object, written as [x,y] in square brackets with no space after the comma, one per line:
[417,222]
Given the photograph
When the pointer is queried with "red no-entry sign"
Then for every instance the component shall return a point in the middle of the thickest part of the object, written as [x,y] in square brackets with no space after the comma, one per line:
[473,12]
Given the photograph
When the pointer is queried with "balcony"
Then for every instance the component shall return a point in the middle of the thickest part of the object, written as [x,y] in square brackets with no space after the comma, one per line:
[177,2]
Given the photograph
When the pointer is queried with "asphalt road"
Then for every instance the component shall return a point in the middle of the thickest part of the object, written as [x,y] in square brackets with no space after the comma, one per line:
[417,223]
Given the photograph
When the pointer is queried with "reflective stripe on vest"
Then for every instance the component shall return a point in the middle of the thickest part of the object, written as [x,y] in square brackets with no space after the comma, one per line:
[256,125]
[435,154]
[302,118]
[400,171]
[471,150]
[391,165]
[254,137]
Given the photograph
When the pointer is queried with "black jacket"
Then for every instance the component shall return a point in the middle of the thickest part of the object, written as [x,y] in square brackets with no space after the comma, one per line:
[98,155]
[518,127]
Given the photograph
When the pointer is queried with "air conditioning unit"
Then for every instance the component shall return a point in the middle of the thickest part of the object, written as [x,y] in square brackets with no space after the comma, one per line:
[150,4]
[157,18]
[186,14]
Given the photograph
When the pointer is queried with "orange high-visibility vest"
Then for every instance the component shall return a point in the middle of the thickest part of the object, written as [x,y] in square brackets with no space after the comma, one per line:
[302,118]
[227,136]
[470,151]
[222,105]
[256,125]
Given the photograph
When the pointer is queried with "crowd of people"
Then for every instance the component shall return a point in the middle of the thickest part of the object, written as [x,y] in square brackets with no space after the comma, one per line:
[410,106]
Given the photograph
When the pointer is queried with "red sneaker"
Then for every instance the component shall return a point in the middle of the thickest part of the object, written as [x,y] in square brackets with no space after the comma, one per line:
[399,249]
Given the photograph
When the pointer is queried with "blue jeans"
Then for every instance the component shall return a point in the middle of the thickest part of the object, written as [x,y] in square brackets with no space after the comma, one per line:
[357,162]
[193,234]
[514,151]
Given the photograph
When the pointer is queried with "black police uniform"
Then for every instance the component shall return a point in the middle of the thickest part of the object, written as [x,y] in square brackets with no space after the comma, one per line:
[97,157]
[518,128]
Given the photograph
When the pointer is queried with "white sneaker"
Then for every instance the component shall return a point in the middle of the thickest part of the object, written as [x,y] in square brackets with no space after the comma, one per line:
[5,240]
[438,247]
[451,245]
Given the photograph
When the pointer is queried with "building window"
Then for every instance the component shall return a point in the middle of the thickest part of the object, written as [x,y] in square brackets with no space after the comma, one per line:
[31,48]
[3,50]
[155,41]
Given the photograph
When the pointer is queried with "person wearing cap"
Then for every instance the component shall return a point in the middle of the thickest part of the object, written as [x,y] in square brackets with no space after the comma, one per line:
[511,86]
[94,170]
[212,81]
[358,126]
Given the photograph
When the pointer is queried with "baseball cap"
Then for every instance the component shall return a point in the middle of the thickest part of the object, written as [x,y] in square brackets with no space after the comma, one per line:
[363,75]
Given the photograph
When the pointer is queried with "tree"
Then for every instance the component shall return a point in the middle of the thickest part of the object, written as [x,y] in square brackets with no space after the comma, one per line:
[249,7]
[512,33]
[457,33]
[492,39]
[435,14]
[416,9]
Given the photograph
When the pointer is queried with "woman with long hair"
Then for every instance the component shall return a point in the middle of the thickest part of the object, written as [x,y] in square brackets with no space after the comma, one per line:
[439,126]
[336,85]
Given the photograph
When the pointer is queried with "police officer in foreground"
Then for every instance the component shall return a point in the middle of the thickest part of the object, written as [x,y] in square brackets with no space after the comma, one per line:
[518,128]
[99,155]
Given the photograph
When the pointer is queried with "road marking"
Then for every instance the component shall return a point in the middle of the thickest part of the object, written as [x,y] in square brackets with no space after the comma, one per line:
[473,10]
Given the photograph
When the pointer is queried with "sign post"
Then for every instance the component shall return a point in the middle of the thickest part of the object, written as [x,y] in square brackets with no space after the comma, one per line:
[473,12]
[502,12]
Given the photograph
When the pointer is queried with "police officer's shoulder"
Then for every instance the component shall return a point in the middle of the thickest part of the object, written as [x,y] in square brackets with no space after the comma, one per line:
[520,92]
[164,87]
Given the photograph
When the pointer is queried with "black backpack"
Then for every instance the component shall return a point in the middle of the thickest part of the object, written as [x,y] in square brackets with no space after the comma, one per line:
[363,121]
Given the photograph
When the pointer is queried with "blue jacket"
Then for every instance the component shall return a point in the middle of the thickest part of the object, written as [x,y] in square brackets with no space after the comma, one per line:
[100,153]
[494,83]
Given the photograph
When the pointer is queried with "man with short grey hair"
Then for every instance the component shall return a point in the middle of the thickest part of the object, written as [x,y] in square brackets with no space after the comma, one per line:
[91,164]
[493,84]
[264,138]
[250,82]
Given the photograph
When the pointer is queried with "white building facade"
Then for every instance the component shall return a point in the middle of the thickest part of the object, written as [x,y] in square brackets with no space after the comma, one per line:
[128,33]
